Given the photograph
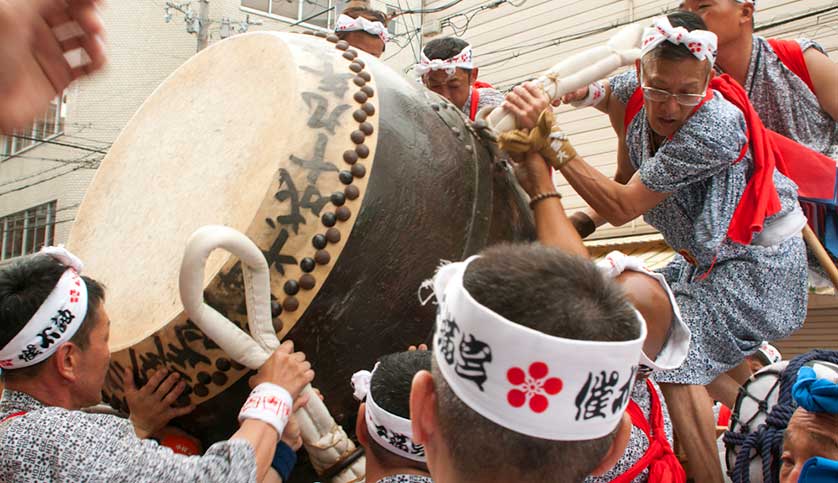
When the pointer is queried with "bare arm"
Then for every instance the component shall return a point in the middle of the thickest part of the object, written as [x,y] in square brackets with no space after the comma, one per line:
[552,226]
[262,438]
[824,74]
[616,111]
[615,202]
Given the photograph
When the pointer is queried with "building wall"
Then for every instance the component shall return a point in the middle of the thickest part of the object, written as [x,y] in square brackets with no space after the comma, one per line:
[515,43]
[143,49]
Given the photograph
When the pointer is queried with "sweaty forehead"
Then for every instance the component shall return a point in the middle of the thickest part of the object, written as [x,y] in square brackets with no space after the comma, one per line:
[442,76]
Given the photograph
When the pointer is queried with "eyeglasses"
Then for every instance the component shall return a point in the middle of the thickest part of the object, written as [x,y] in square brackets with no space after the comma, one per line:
[658,95]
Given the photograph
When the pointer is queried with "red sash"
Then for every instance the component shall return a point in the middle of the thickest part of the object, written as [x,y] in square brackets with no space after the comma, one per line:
[11,416]
[791,55]
[475,97]
[813,172]
[663,466]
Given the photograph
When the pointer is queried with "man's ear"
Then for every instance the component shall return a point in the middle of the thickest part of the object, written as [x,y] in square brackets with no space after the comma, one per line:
[66,361]
[423,407]
[618,447]
[473,76]
[637,69]
[361,426]
[747,16]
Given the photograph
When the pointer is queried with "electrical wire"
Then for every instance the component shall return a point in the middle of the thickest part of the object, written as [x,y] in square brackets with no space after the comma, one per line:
[428,10]
[21,188]
[58,143]
[415,29]
[89,163]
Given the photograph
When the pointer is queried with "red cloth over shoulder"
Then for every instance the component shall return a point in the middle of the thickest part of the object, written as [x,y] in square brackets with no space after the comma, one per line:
[813,172]
[791,55]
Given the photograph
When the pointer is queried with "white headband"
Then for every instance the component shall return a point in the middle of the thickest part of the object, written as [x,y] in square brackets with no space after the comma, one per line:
[56,320]
[770,352]
[524,380]
[701,43]
[346,23]
[392,432]
[462,60]
[675,349]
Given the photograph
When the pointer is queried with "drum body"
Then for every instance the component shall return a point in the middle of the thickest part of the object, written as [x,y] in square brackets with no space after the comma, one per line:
[353,181]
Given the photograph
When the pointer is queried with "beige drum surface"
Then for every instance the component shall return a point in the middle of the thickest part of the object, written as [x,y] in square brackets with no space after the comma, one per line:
[253,134]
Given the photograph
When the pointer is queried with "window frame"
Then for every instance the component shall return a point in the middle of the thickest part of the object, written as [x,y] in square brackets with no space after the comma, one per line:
[28,246]
[58,120]
[330,22]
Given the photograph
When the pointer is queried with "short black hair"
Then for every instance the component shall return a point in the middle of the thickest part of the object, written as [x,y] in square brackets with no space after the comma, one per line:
[24,285]
[390,385]
[390,388]
[670,51]
[367,13]
[444,48]
[554,293]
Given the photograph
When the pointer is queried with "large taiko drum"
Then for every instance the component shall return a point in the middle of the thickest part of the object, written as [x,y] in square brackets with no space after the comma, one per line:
[353,181]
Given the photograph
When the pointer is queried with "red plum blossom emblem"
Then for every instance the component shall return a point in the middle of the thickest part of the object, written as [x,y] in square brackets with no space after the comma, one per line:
[532,386]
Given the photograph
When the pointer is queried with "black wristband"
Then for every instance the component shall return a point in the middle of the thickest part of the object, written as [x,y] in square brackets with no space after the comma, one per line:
[583,223]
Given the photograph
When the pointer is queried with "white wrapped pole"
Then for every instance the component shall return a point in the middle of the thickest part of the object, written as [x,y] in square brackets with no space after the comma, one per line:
[579,70]
[325,441]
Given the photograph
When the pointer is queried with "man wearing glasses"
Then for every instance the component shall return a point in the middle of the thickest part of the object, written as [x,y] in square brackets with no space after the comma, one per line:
[694,164]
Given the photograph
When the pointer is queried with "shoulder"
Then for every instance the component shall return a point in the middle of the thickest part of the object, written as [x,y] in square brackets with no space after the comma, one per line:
[806,44]
[623,85]
[717,122]
[52,425]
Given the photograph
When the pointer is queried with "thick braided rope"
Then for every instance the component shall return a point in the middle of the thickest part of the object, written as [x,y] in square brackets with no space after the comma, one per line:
[767,440]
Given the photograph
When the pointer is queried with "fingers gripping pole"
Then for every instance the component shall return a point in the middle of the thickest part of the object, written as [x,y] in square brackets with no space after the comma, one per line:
[325,441]
[580,70]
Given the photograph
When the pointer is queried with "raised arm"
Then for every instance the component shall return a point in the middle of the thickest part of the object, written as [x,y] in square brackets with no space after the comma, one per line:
[617,203]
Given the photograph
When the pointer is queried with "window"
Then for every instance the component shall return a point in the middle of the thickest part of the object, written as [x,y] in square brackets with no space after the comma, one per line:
[27,231]
[316,13]
[45,127]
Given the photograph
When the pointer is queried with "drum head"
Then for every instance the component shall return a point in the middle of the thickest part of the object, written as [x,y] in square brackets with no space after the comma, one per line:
[205,148]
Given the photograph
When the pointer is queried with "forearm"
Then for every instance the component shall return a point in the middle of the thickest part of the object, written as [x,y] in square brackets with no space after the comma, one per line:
[553,228]
[605,196]
[263,438]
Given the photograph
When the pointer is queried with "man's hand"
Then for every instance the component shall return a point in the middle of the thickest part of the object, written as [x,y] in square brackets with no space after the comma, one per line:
[534,175]
[292,436]
[151,406]
[285,368]
[34,67]
[527,101]
[574,96]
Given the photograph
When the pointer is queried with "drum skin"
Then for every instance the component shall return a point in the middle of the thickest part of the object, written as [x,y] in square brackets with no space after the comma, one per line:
[347,282]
